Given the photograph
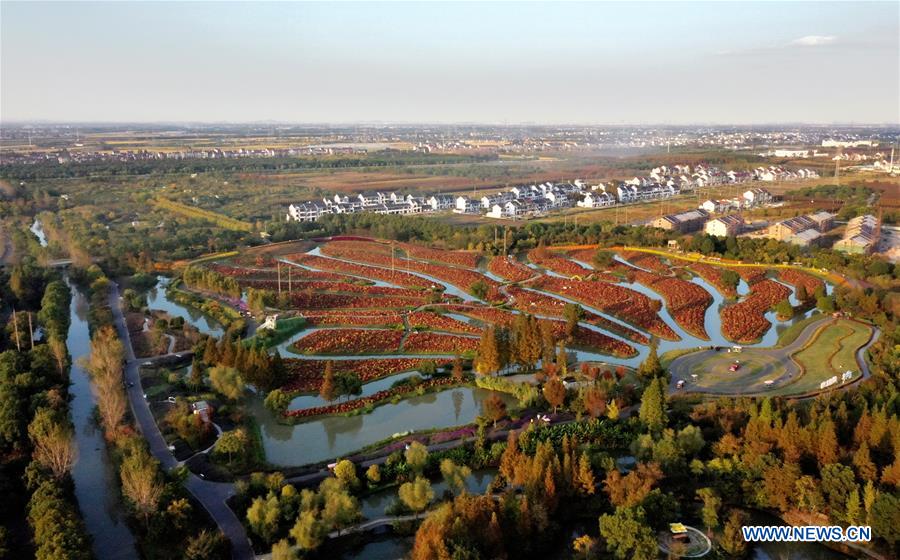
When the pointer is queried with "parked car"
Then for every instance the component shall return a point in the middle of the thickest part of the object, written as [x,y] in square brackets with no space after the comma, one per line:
[735,366]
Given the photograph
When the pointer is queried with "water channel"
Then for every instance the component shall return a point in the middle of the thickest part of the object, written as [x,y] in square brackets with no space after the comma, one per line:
[96,485]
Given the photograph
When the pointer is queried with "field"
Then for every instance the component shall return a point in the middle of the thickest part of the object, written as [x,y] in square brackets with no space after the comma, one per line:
[823,349]
[371,297]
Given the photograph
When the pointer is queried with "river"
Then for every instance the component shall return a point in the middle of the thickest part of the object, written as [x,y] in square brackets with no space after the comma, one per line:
[157,299]
[96,484]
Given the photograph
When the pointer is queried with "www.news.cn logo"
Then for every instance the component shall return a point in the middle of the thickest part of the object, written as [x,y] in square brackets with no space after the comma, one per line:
[809,533]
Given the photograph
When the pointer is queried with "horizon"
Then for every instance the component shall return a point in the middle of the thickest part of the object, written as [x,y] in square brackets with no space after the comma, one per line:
[501,64]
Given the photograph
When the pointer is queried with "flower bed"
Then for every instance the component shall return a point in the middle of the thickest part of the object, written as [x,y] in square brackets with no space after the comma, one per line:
[438,322]
[510,269]
[459,277]
[557,263]
[434,343]
[374,398]
[350,342]
[385,275]
[623,303]
[646,261]
[533,302]
[486,314]
[797,278]
[296,272]
[389,319]
[313,300]
[337,287]
[466,259]
[751,275]
[746,321]
[686,301]
[713,275]
[306,375]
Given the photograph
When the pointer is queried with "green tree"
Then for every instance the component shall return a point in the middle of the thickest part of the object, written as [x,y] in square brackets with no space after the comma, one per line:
[784,310]
[263,516]
[227,381]
[885,518]
[277,401]
[710,511]
[455,475]
[732,541]
[572,313]
[328,389]
[345,471]
[627,534]
[308,531]
[51,437]
[825,304]
[416,495]
[140,478]
[416,456]
[653,406]
[232,442]
[205,545]
[282,550]
[373,474]
[650,367]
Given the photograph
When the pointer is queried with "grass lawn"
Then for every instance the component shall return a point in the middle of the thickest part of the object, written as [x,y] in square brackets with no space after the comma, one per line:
[791,333]
[832,353]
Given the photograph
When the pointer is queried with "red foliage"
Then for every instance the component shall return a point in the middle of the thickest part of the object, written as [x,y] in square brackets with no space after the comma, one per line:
[557,263]
[713,275]
[621,302]
[313,300]
[538,303]
[357,319]
[438,322]
[686,301]
[510,269]
[645,260]
[745,321]
[434,343]
[306,375]
[797,278]
[350,341]
[751,275]
[465,259]
[396,276]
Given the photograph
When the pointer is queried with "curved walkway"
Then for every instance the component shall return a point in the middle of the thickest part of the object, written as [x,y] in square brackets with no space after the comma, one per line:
[212,495]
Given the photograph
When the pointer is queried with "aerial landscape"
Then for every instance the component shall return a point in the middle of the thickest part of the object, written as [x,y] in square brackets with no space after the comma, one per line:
[450,280]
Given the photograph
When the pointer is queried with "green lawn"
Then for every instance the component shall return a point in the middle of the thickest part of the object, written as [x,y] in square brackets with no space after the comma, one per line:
[832,353]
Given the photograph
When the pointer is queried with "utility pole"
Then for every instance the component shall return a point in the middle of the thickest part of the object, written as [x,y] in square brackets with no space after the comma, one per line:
[279,276]
[30,330]
[16,327]
[290,286]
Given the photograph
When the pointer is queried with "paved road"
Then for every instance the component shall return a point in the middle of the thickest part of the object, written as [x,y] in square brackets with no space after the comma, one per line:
[681,367]
[212,495]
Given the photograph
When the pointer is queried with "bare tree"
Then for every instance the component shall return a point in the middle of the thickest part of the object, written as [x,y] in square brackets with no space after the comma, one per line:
[105,365]
[140,481]
[51,437]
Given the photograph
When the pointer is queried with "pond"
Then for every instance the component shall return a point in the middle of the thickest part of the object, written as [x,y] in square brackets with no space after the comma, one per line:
[96,483]
[330,437]
[157,299]
[312,400]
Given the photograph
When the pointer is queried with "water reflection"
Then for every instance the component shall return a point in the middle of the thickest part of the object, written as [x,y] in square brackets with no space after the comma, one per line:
[334,436]
[157,299]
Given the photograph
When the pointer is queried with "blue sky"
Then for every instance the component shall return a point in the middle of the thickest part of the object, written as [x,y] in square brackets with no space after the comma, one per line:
[593,63]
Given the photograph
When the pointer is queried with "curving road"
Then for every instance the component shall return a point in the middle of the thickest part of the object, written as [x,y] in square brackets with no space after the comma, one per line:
[212,495]
[779,357]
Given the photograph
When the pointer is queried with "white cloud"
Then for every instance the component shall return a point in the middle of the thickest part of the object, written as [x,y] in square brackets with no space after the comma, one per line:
[814,40]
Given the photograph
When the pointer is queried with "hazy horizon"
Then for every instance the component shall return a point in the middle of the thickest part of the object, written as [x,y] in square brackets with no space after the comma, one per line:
[529,64]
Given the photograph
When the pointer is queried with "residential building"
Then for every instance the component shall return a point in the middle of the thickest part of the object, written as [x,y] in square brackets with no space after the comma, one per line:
[824,221]
[861,236]
[724,226]
[685,222]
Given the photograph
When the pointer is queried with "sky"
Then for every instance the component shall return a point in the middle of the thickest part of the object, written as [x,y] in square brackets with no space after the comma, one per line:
[548,63]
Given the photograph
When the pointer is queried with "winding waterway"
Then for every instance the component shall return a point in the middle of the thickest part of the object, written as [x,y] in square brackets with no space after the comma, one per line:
[96,485]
